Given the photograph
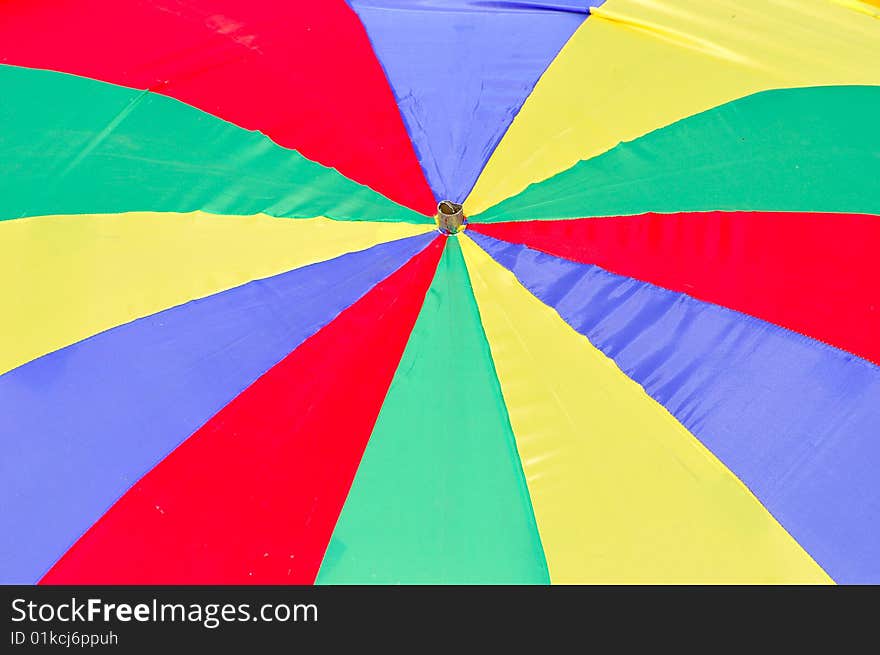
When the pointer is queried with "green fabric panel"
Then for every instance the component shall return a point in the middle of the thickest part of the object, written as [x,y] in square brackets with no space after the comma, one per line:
[814,149]
[72,145]
[440,495]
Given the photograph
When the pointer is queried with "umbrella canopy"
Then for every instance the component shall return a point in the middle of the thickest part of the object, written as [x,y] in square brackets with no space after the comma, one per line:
[440,291]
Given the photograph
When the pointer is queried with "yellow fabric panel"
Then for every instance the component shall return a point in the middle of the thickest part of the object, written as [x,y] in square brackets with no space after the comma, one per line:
[622,492]
[638,65]
[869,7]
[64,278]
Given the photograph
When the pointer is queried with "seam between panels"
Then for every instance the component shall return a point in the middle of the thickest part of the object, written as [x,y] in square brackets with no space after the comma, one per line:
[518,109]
[170,452]
[137,99]
[255,280]
[382,405]
[797,335]
[404,123]
[512,445]
[668,416]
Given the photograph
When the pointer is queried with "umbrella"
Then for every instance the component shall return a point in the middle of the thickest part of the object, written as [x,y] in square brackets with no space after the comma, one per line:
[440,291]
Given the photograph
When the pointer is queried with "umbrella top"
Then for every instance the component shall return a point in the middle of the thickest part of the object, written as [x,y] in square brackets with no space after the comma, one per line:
[450,217]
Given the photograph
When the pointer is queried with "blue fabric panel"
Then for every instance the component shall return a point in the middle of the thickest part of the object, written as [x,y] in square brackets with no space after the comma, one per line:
[461,70]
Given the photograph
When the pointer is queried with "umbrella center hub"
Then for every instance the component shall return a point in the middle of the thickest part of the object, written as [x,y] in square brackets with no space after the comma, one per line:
[450,217]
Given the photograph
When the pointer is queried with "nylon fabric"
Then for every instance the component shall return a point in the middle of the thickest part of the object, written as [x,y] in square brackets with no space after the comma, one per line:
[460,71]
[812,273]
[84,147]
[623,493]
[65,278]
[792,418]
[803,150]
[661,62]
[155,380]
[302,73]
[228,505]
[440,497]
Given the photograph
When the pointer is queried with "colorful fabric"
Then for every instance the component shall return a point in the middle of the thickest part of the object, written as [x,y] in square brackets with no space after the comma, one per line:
[236,349]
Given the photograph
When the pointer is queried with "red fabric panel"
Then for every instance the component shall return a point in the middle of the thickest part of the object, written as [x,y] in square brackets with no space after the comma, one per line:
[816,274]
[252,497]
[304,73]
